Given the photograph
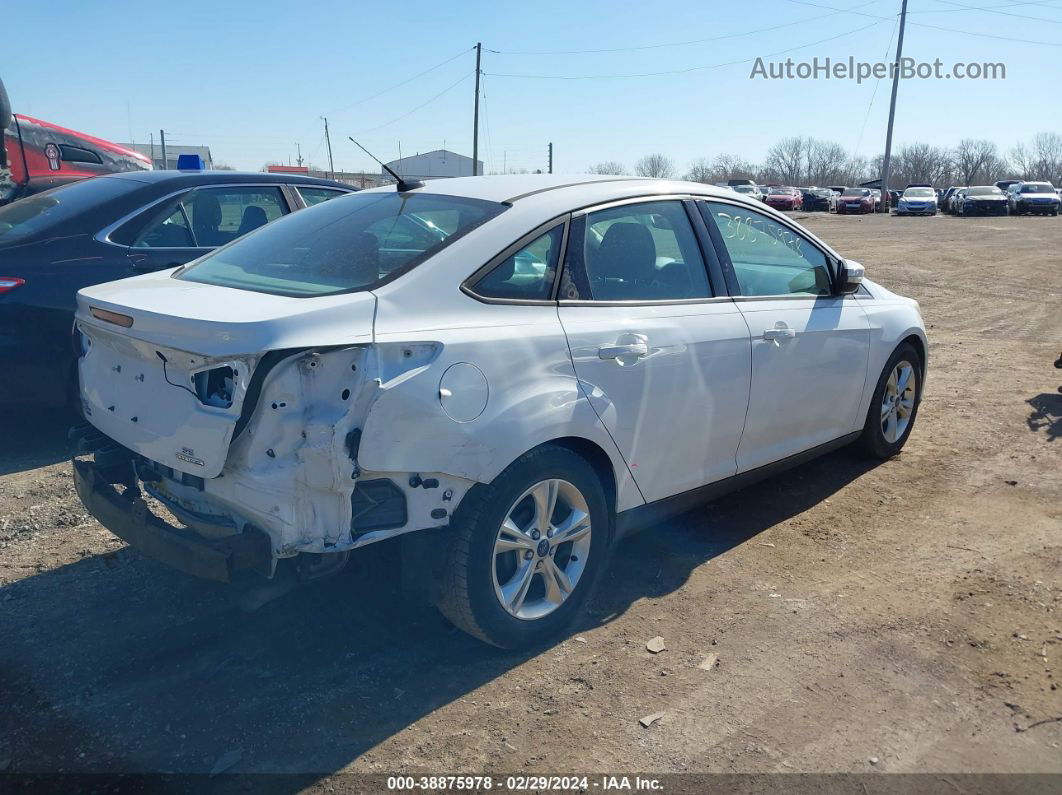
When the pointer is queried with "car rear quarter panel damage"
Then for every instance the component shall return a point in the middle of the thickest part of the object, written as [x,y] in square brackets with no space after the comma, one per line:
[533,395]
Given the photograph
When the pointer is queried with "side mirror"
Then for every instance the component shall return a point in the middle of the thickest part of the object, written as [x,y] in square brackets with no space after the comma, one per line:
[850,276]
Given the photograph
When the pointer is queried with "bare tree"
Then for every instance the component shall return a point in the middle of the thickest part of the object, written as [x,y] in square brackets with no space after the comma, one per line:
[923,163]
[701,171]
[655,165]
[1021,160]
[858,169]
[975,161]
[786,160]
[1047,156]
[607,167]
[732,167]
[825,162]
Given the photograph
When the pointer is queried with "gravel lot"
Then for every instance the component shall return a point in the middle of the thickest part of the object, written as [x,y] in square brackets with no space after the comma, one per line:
[899,617]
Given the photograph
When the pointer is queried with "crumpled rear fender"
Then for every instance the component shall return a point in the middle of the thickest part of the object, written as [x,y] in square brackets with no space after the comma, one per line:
[294,466]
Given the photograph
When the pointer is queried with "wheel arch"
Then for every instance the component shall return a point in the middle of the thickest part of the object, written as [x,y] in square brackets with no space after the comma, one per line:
[919,344]
[596,457]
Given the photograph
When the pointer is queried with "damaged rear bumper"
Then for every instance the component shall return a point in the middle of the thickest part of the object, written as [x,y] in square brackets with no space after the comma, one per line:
[133,522]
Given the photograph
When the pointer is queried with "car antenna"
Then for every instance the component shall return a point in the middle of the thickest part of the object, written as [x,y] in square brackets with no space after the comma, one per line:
[403,185]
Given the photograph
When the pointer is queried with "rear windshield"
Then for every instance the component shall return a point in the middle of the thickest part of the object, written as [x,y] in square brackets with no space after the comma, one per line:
[350,243]
[36,215]
[1037,187]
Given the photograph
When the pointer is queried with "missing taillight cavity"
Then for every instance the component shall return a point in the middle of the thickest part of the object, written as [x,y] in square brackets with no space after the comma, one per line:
[215,387]
[9,283]
[111,317]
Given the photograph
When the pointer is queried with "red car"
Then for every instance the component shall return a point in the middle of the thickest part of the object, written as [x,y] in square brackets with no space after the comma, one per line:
[36,155]
[783,198]
[855,200]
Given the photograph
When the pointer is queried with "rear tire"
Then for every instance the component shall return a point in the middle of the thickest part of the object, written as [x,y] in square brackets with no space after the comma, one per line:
[894,405]
[499,583]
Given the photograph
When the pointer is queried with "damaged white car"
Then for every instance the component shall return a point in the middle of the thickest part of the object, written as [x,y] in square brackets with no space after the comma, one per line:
[533,366]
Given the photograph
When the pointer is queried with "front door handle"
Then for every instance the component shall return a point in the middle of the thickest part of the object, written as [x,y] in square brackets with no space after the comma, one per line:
[616,351]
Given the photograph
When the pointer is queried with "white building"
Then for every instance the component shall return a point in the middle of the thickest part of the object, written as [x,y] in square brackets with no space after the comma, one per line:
[434,165]
[172,152]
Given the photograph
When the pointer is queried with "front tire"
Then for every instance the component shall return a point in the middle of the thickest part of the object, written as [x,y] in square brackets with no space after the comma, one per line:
[894,406]
[526,550]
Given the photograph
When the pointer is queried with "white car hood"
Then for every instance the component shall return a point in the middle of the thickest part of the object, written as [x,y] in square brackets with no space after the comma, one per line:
[224,321]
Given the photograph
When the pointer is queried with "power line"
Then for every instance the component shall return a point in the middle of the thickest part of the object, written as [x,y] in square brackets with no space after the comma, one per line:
[985,8]
[421,105]
[873,96]
[964,7]
[932,27]
[673,43]
[692,68]
[489,160]
[398,85]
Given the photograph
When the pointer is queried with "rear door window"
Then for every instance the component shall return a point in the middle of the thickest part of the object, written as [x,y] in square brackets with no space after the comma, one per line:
[220,215]
[645,251]
[172,231]
[205,218]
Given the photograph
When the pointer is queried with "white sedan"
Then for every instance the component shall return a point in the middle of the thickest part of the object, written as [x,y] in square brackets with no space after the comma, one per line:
[525,367]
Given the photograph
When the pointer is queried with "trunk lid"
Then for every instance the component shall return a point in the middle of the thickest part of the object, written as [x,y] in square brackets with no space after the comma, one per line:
[171,385]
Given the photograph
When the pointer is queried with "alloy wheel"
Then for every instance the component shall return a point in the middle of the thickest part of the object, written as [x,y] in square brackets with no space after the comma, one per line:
[541,549]
[898,401]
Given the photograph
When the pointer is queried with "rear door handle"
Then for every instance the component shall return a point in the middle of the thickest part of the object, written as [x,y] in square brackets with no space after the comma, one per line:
[616,351]
[778,333]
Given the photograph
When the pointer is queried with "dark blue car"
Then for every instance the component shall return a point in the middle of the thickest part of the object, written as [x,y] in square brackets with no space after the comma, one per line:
[110,227]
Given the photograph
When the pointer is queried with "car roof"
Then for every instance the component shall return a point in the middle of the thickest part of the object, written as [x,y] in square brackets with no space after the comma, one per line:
[181,179]
[570,190]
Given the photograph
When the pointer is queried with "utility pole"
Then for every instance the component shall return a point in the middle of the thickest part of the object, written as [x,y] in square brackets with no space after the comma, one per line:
[328,140]
[152,150]
[885,198]
[551,157]
[475,117]
[162,138]
[298,158]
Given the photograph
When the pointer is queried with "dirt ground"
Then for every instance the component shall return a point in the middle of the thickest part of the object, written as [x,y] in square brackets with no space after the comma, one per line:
[905,616]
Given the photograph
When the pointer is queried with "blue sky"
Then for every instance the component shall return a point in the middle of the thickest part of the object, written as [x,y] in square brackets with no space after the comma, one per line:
[250,79]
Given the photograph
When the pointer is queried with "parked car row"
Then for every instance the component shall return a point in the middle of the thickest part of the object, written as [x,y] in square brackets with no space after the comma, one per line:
[1009,197]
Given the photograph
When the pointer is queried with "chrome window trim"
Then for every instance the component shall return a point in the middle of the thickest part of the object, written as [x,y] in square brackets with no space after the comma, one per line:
[593,208]
[104,235]
[715,299]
